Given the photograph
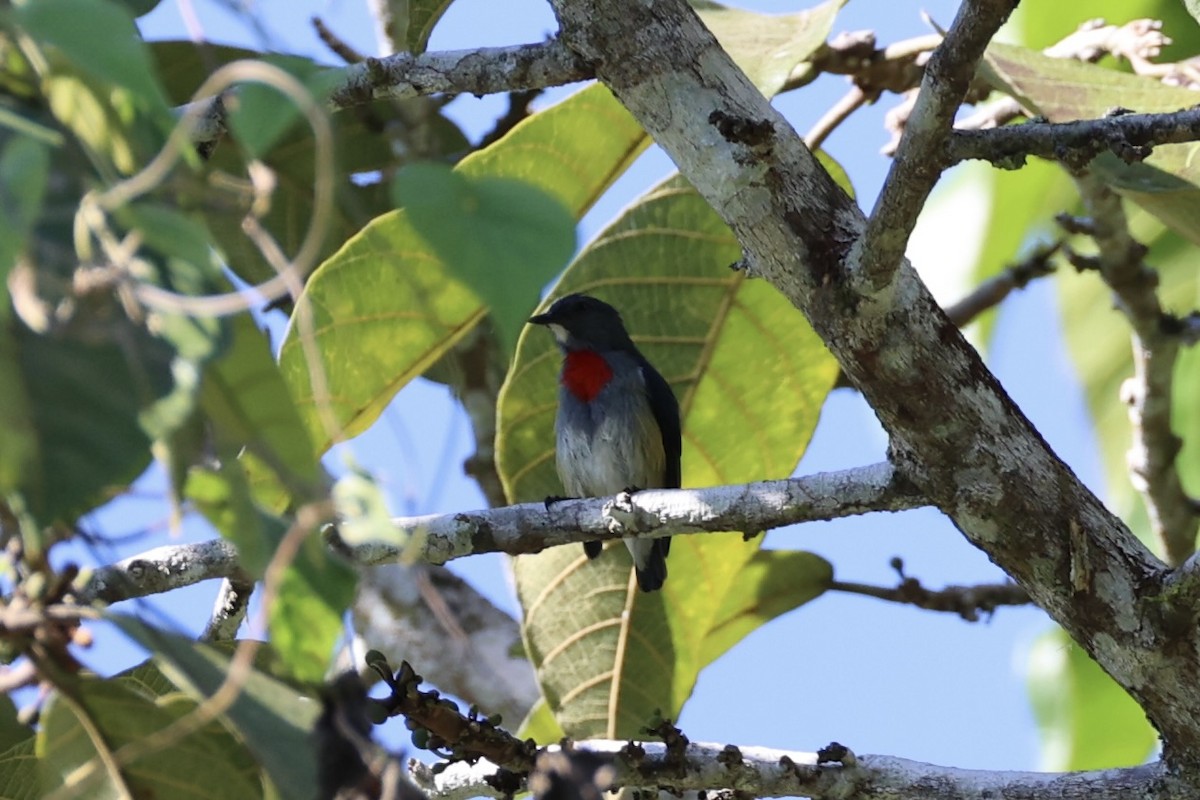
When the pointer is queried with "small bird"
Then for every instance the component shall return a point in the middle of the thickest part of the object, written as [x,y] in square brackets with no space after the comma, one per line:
[618,420]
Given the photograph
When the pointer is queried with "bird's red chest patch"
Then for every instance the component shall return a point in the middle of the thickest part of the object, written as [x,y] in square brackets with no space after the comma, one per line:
[585,373]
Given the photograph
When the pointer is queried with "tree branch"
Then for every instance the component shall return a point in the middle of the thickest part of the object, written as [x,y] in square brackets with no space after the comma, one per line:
[954,432]
[228,611]
[919,159]
[486,70]
[530,527]
[1128,136]
[1155,446]
[764,772]
[966,601]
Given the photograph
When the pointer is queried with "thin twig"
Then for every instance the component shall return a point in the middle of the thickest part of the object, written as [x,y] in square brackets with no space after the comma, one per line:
[966,601]
[838,113]
[992,292]
[1152,454]
[920,160]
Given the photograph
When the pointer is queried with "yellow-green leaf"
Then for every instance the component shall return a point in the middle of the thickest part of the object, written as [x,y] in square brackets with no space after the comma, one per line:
[750,376]
[1087,721]
[385,307]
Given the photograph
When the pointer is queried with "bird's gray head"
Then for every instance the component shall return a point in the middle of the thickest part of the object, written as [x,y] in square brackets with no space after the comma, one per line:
[580,322]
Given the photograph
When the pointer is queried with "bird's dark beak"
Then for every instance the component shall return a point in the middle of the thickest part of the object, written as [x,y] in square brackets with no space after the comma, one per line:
[541,319]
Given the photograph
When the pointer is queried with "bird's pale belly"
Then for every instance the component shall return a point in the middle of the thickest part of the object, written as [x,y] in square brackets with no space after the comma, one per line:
[607,461]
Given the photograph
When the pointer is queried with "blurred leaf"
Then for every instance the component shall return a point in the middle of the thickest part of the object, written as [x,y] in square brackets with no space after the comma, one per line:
[1087,721]
[362,513]
[87,399]
[1193,8]
[306,618]
[99,37]
[18,440]
[139,7]
[273,719]
[260,114]
[225,500]
[1166,183]
[19,772]
[103,715]
[504,238]
[245,396]
[12,730]
[751,377]
[24,170]
[385,307]
[423,15]
[1040,25]
[769,47]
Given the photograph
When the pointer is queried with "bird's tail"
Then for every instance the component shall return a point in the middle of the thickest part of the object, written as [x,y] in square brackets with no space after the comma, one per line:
[649,561]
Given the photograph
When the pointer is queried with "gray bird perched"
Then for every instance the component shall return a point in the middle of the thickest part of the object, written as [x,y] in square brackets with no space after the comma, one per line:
[618,420]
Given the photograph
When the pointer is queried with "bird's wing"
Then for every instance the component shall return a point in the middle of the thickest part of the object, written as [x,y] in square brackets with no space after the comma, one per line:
[666,413]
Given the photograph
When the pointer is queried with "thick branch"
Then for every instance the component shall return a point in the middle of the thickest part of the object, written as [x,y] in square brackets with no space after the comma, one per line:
[487,70]
[954,431]
[1155,446]
[919,160]
[1129,136]
[763,772]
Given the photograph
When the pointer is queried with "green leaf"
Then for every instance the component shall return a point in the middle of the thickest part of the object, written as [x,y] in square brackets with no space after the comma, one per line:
[306,618]
[385,307]
[87,400]
[102,716]
[1193,8]
[101,39]
[423,15]
[772,583]
[504,238]
[12,731]
[18,440]
[1166,183]
[19,772]
[769,47]
[274,720]
[260,114]
[1086,720]
[24,170]
[540,725]
[751,377]
[244,395]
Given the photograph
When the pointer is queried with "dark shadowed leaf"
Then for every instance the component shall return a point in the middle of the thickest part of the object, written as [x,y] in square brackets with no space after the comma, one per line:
[504,238]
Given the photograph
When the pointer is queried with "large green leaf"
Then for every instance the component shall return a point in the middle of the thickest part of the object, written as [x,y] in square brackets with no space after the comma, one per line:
[1167,184]
[423,15]
[769,47]
[1086,720]
[273,719]
[751,377]
[101,716]
[385,307]
[19,778]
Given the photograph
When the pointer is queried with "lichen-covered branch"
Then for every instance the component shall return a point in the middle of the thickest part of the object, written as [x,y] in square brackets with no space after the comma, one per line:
[765,772]
[486,70]
[1129,136]
[531,527]
[953,430]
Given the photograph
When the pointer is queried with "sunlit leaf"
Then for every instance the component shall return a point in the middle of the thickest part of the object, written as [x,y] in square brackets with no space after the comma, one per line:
[1167,184]
[769,47]
[423,15]
[1086,720]
[750,376]
[385,307]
